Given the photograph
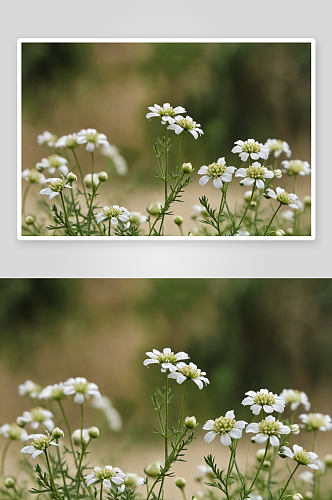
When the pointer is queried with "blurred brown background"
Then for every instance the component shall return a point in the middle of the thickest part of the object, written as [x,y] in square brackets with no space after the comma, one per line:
[234,90]
[245,333]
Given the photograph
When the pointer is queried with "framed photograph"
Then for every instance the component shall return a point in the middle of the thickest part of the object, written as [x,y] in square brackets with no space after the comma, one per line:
[166,138]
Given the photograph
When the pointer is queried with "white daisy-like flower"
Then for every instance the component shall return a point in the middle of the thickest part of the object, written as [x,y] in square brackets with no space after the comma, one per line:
[55,392]
[217,171]
[81,388]
[33,176]
[277,147]
[37,416]
[39,444]
[189,372]
[132,480]
[136,218]
[270,428]
[116,214]
[283,197]
[251,148]
[316,421]
[29,389]
[47,138]
[112,415]
[307,477]
[264,400]
[254,173]
[54,163]
[181,123]
[166,359]
[91,138]
[296,167]
[67,141]
[288,215]
[300,456]
[295,398]
[165,112]
[227,427]
[111,477]
[56,187]
[119,162]
[14,432]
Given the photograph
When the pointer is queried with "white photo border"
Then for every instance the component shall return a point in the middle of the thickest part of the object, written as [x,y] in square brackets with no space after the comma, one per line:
[312,42]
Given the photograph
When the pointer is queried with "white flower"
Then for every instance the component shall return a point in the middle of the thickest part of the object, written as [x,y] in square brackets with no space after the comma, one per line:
[277,147]
[14,432]
[242,233]
[136,218]
[251,147]
[88,180]
[288,215]
[33,176]
[110,476]
[295,398]
[296,167]
[114,213]
[79,436]
[217,171]
[283,197]
[167,359]
[47,138]
[39,444]
[300,456]
[112,415]
[56,187]
[270,428]
[36,417]
[81,388]
[254,173]
[91,138]
[264,400]
[67,141]
[189,372]
[165,112]
[119,162]
[227,427]
[316,421]
[53,163]
[54,392]
[132,480]
[179,124]
[307,477]
[30,389]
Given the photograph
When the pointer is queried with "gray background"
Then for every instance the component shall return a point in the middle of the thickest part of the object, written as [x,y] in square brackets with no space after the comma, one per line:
[154,18]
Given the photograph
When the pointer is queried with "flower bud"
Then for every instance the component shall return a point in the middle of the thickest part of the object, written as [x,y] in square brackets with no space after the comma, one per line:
[29,220]
[307,201]
[57,433]
[88,181]
[247,196]
[277,174]
[154,208]
[130,480]
[295,429]
[103,176]
[94,432]
[71,177]
[297,496]
[308,495]
[180,482]
[289,231]
[241,183]
[187,168]
[328,460]
[178,220]
[20,422]
[260,454]
[253,205]
[77,438]
[190,422]
[253,439]
[265,194]
[199,495]
[280,232]
[10,482]
[153,469]
[266,465]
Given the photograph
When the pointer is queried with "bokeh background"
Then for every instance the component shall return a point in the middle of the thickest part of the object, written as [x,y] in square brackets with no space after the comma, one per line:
[234,90]
[245,333]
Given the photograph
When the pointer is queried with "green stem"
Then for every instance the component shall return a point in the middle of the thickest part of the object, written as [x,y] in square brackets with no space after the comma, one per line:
[275,213]
[61,470]
[66,216]
[82,178]
[259,468]
[314,441]
[76,214]
[93,192]
[289,479]
[166,163]
[246,210]
[51,477]
[101,491]
[182,409]
[25,197]
[109,227]
[180,156]
[3,458]
[69,431]
[221,207]
[257,207]
[294,183]
[183,494]
[166,420]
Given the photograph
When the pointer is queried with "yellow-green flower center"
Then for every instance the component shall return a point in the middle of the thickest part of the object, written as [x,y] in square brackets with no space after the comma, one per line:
[91,136]
[315,420]
[41,443]
[104,473]
[216,170]
[71,142]
[276,146]
[58,185]
[263,398]
[81,387]
[270,428]
[38,414]
[34,176]
[57,393]
[166,111]
[166,358]
[190,372]
[255,172]
[284,198]
[55,161]
[296,166]
[302,457]
[222,425]
[186,123]
[293,397]
[14,432]
[111,212]
[251,147]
